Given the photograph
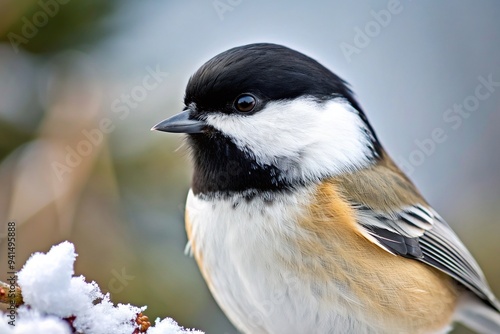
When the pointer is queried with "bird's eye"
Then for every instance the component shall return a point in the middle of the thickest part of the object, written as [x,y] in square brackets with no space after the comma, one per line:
[245,103]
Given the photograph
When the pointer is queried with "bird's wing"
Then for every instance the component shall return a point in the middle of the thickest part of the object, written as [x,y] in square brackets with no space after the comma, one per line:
[420,233]
[392,214]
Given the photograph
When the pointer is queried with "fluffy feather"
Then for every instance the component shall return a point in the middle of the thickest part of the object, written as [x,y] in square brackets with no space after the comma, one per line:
[295,266]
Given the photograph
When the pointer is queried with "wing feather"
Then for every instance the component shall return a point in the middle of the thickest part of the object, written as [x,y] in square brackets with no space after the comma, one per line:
[420,233]
[393,214]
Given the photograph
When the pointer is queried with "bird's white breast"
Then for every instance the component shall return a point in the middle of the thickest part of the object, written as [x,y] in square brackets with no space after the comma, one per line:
[245,253]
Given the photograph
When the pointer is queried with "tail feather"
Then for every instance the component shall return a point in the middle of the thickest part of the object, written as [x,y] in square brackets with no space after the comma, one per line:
[477,315]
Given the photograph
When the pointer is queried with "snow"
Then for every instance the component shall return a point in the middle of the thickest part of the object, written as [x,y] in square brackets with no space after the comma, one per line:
[51,293]
[5,328]
[48,286]
[169,326]
[34,322]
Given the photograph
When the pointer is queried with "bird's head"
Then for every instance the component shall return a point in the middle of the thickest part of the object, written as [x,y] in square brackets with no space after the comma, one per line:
[263,117]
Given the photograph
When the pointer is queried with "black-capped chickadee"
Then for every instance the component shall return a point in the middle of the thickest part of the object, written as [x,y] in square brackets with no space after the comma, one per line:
[299,220]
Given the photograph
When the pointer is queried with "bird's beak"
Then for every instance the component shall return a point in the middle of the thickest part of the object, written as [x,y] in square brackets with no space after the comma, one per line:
[180,123]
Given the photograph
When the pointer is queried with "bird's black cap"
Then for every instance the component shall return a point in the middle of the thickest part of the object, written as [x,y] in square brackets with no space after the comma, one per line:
[269,72]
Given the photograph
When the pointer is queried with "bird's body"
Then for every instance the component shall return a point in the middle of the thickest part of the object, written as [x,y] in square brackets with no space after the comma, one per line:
[299,220]
[260,261]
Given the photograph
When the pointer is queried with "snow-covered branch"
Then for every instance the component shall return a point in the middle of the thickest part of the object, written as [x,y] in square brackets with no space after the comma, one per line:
[49,299]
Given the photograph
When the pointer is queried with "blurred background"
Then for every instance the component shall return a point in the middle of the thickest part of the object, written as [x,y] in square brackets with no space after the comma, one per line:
[82,82]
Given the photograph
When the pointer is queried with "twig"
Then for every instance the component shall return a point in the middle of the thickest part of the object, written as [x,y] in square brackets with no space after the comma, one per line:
[10,294]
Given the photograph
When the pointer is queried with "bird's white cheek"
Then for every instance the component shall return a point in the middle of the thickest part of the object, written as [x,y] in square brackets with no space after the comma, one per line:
[323,138]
